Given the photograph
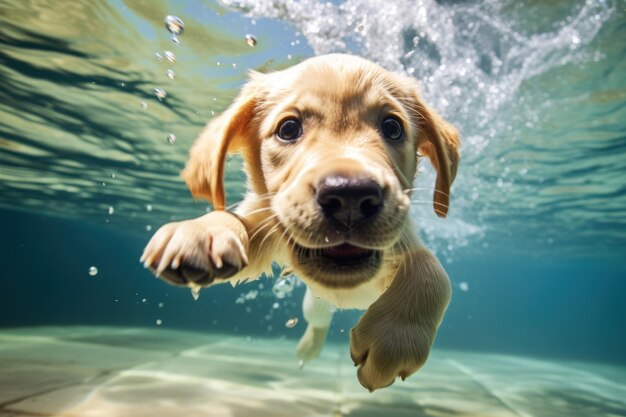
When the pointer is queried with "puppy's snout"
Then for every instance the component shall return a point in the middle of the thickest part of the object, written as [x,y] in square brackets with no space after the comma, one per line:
[349,199]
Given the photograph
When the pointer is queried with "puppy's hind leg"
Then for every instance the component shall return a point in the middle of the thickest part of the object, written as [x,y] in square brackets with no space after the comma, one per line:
[318,313]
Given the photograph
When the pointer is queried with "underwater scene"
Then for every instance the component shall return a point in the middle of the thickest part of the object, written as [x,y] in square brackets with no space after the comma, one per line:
[100,104]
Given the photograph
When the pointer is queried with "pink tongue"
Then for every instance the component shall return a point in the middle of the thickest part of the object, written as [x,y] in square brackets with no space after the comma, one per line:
[345,251]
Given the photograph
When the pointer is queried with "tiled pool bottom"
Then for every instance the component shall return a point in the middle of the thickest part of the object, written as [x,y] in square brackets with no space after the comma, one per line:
[110,372]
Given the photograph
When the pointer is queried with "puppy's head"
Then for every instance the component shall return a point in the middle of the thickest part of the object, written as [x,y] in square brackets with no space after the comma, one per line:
[332,146]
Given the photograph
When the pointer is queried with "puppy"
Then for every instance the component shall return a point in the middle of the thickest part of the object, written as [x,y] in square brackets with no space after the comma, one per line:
[331,148]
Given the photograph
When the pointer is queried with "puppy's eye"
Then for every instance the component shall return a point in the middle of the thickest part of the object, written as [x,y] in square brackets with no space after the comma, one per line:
[290,130]
[392,128]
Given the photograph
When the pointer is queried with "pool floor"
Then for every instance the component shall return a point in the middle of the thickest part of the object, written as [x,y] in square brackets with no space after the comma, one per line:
[109,372]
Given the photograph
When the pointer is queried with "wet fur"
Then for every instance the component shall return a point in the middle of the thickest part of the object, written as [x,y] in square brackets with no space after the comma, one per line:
[341,100]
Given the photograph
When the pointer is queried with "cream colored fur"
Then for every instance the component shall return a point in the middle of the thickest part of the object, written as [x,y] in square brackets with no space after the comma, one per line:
[340,100]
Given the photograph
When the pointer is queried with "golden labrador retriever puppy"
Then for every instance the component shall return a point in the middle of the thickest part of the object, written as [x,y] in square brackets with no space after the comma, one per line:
[331,147]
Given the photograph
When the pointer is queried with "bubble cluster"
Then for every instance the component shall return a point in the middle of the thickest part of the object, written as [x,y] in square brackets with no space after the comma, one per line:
[476,53]
[250,295]
[284,286]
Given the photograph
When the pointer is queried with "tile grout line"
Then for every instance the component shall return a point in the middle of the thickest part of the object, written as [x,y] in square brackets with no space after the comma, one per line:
[111,373]
[101,374]
[482,385]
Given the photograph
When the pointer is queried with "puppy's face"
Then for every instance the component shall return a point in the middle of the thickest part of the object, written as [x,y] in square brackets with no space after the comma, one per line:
[338,151]
[333,149]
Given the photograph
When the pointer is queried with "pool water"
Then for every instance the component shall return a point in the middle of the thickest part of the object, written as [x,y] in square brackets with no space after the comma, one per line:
[99,107]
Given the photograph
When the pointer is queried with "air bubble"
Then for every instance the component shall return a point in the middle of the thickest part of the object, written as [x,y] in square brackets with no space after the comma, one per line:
[148,207]
[170,56]
[171,138]
[326,239]
[251,40]
[160,305]
[158,57]
[464,286]
[111,210]
[148,228]
[93,271]
[171,74]
[144,105]
[175,26]
[160,93]
[291,323]
[159,322]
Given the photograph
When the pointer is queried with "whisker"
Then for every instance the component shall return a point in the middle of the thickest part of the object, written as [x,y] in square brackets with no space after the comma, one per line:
[408,190]
[445,206]
[284,233]
[262,225]
[458,212]
[257,198]
[271,232]
[440,208]
[259,210]
[291,242]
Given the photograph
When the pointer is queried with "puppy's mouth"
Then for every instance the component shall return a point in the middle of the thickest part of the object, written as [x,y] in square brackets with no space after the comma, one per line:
[340,266]
[346,253]
[343,257]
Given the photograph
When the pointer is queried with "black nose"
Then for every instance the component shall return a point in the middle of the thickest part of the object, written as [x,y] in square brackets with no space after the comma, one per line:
[349,199]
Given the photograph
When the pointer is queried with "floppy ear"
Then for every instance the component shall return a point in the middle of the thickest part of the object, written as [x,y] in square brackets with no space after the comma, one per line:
[232,131]
[442,148]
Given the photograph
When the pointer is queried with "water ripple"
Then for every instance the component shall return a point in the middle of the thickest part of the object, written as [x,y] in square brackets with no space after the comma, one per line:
[537,89]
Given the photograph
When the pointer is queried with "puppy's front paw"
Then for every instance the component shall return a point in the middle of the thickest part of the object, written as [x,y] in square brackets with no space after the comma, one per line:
[385,346]
[194,252]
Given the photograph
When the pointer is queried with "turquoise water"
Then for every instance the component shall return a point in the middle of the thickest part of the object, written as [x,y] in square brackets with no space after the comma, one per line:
[536,236]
